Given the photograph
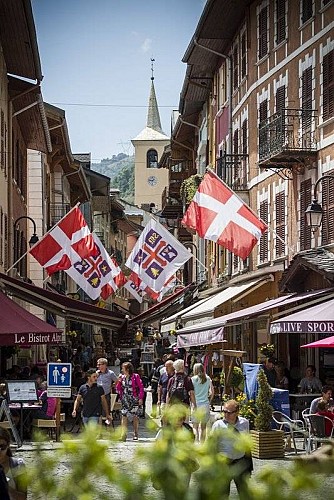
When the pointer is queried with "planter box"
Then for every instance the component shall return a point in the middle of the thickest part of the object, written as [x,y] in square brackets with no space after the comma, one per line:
[268,444]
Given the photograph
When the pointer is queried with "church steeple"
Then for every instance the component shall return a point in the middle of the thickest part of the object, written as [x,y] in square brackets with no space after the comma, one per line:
[153,117]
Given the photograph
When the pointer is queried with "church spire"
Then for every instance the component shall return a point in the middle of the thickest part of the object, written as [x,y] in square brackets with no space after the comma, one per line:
[153,117]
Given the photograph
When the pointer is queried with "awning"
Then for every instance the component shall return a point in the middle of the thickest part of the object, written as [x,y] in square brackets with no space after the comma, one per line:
[206,310]
[71,309]
[328,342]
[254,311]
[171,322]
[316,319]
[19,327]
[159,310]
[201,338]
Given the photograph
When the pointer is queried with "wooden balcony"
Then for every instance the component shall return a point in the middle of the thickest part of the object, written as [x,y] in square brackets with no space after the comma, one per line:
[288,138]
[171,207]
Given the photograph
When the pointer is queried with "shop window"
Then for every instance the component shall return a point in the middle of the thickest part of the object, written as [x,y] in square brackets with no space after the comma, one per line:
[152,158]
[328,85]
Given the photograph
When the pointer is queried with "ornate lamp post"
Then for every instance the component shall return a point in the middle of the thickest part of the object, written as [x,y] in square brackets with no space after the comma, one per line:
[34,237]
[314,211]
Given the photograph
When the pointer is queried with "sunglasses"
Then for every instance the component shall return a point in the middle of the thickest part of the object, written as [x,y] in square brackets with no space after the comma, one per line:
[3,447]
[229,411]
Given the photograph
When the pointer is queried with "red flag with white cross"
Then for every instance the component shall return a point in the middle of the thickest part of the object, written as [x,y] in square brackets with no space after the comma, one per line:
[216,213]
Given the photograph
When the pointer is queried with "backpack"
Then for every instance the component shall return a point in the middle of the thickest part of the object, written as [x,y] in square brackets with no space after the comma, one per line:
[177,391]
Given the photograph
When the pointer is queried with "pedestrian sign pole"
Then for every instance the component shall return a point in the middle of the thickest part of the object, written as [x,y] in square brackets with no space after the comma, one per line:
[59,380]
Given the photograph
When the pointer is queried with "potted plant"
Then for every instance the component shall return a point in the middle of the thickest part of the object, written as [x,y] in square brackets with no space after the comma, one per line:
[267,443]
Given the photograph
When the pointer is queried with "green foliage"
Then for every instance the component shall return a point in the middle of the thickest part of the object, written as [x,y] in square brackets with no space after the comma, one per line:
[125,182]
[247,407]
[267,350]
[236,380]
[120,169]
[92,468]
[264,409]
[189,187]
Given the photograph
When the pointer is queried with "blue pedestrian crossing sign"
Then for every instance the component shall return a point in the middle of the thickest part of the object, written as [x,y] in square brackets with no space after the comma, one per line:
[59,375]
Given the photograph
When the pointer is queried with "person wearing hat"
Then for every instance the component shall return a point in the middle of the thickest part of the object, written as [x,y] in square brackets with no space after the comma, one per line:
[270,372]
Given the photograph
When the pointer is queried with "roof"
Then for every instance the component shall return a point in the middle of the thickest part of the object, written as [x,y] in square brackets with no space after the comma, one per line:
[149,134]
[318,260]
[18,39]
[153,117]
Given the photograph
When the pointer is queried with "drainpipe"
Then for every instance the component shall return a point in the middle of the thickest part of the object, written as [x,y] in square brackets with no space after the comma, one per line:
[229,143]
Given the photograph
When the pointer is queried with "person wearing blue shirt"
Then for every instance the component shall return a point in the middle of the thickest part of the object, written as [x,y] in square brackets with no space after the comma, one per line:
[204,392]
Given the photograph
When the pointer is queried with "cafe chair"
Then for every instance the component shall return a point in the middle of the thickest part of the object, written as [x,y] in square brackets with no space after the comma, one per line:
[317,430]
[292,428]
[48,424]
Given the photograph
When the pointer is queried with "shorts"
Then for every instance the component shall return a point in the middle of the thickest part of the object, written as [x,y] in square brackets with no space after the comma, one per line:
[202,414]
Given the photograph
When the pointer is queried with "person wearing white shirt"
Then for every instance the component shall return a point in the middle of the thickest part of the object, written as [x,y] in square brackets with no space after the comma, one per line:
[242,464]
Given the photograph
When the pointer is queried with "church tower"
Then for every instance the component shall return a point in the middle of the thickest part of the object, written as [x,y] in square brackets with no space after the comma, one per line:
[150,181]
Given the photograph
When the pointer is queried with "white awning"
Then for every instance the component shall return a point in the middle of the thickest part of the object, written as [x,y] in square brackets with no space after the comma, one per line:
[170,323]
[205,310]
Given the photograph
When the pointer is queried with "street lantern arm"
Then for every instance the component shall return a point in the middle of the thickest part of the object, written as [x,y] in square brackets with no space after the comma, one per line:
[314,211]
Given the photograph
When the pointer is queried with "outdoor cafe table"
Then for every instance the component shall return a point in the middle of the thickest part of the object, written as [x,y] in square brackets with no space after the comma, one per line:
[26,411]
[299,402]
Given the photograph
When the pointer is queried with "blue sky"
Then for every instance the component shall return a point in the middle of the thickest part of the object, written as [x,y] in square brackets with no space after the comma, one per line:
[98,52]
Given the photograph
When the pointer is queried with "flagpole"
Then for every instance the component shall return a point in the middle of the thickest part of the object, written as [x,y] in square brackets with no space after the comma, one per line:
[16,262]
[197,260]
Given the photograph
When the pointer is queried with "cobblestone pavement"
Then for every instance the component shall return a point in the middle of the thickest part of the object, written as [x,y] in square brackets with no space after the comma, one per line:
[123,452]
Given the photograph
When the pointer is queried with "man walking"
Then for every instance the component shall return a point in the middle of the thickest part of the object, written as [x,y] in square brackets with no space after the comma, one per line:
[93,399]
[241,464]
[105,379]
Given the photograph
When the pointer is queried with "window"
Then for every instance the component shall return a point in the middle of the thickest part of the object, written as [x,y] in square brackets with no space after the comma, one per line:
[328,85]
[327,233]
[243,55]
[306,10]
[152,158]
[305,200]
[280,21]
[263,32]
[235,67]
[263,130]
[264,237]
[280,223]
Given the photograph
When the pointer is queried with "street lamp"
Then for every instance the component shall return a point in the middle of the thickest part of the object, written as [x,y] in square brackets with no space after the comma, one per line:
[34,237]
[314,211]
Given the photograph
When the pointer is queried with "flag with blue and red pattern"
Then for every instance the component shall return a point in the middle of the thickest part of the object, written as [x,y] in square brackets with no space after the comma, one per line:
[156,256]
[99,275]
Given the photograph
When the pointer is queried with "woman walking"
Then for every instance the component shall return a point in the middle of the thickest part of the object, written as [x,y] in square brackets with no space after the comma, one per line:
[131,392]
[204,392]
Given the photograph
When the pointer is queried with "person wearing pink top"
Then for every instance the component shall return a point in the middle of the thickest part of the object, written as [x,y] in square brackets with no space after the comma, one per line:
[48,408]
[131,393]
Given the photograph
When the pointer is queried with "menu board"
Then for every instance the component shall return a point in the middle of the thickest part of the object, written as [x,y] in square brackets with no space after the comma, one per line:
[20,391]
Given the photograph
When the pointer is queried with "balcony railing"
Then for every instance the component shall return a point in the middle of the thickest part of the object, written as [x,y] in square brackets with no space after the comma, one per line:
[171,207]
[287,137]
[233,170]
[58,211]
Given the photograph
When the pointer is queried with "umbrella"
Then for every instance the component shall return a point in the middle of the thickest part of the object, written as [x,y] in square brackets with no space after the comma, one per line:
[327,342]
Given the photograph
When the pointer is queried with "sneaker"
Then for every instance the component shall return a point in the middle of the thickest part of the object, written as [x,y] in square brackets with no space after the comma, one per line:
[135,437]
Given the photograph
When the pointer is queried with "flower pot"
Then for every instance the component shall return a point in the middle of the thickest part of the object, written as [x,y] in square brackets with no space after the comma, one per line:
[268,444]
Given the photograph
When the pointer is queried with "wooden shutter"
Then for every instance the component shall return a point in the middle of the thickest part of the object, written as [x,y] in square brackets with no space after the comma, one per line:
[263,34]
[236,142]
[244,137]
[235,67]
[280,21]
[307,10]
[280,100]
[327,233]
[280,223]
[264,237]
[263,115]
[6,244]
[306,98]
[328,85]
[243,55]
[1,237]
[305,200]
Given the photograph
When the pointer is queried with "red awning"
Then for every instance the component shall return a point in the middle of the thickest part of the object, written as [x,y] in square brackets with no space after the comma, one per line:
[19,327]
[159,308]
[71,309]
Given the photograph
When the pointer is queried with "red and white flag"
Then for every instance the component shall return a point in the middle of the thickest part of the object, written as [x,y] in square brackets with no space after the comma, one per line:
[139,289]
[66,243]
[216,213]
[98,275]
[156,256]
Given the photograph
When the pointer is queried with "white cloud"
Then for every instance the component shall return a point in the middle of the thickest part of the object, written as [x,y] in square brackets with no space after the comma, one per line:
[146,45]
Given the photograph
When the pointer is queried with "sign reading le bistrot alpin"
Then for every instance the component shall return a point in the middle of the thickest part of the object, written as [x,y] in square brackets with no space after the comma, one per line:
[59,379]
